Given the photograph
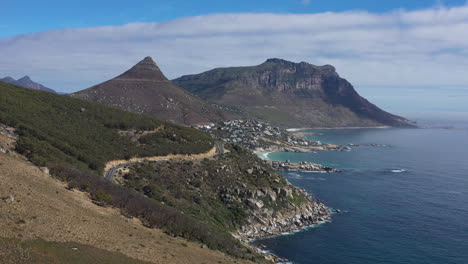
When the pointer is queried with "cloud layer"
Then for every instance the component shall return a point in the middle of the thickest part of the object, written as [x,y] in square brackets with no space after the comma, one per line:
[401,48]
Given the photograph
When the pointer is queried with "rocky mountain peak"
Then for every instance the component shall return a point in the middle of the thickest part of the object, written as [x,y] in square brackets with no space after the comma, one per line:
[277,61]
[146,69]
[25,79]
[289,94]
[27,83]
[301,65]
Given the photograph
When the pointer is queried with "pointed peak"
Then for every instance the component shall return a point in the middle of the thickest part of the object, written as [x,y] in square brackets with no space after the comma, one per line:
[148,59]
[144,70]
[25,78]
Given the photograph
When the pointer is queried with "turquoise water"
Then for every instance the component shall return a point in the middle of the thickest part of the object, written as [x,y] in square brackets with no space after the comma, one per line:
[406,202]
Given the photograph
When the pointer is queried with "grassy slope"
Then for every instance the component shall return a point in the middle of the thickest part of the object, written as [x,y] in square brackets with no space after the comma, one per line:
[59,129]
[42,252]
[44,208]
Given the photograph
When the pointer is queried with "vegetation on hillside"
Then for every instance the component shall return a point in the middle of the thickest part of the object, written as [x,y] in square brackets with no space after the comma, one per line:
[59,129]
[201,200]
[212,190]
[75,138]
[39,251]
[152,213]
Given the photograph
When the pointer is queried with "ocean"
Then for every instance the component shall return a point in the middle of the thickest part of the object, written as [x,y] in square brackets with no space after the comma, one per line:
[404,201]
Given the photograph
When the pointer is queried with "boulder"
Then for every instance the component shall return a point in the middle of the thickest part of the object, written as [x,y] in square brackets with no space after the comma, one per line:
[9,198]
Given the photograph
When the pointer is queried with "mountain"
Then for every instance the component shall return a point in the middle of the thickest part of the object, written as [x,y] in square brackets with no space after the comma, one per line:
[26,82]
[145,89]
[173,178]
[290,94]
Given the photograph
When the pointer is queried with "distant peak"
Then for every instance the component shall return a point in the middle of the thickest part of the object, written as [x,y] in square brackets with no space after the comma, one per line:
[144,70]
[148,59]
[8,79]
[147,62]
[276,60]
[25,78]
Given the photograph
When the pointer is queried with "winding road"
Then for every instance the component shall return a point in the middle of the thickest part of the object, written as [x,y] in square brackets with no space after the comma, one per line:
[113,166]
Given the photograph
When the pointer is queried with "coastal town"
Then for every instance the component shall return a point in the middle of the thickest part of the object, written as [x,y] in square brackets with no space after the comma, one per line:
[260,136]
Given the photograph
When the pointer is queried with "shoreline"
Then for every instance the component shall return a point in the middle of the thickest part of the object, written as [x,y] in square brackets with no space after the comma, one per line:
[332,128]
[298,219]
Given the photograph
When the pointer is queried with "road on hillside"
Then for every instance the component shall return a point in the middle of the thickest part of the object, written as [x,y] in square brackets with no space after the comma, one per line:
[109,176]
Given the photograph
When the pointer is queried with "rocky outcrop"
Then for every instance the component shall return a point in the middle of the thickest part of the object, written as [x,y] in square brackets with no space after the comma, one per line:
[290,94]
[303,166]
[268,222]
[145,89]
[275,210]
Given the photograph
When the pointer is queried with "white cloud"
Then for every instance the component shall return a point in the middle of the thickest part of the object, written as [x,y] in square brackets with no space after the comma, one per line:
[400,48]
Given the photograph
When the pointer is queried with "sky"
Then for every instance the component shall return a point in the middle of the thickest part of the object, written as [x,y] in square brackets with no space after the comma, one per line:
[401,44]
[20,16]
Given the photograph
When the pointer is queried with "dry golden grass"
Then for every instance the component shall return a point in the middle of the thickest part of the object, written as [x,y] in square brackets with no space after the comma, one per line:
[43,208]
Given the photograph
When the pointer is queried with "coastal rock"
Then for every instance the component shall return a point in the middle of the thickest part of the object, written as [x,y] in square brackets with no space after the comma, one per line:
[301,166]
[296,217]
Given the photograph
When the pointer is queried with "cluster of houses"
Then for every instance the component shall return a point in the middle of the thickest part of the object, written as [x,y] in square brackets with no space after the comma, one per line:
[254,134]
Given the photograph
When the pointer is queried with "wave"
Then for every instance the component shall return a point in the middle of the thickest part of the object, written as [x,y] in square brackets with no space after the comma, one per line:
[264,155]
[398,170]
[314,171]
[295,175]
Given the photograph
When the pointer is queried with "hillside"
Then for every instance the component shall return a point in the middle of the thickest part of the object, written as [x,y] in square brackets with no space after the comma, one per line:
[290,94]
[26,82]
[75,138]
[59,129]
[218,201]
[46,221]
[145,89]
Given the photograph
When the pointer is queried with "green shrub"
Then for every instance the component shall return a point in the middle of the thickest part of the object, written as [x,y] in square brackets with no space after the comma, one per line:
[101,197]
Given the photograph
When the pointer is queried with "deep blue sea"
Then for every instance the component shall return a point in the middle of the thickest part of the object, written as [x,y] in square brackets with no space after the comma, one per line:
[406,202]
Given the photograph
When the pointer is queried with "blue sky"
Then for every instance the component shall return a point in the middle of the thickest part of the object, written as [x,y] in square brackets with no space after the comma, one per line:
[397,53]
[21,16]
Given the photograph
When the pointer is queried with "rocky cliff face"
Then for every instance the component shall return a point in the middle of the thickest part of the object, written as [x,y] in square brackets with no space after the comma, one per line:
[26,82]
[267,220]
[290,94]
[145,89]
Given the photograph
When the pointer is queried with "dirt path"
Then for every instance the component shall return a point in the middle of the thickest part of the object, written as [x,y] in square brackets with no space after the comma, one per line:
[113,165]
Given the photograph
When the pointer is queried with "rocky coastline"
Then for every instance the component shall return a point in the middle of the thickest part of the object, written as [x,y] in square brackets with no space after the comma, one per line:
[302,166]
[293,219]
[269,223]
[266,222]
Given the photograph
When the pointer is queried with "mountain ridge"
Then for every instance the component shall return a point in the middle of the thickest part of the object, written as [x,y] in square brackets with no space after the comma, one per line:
[145,89]
[290,94]
[26,82]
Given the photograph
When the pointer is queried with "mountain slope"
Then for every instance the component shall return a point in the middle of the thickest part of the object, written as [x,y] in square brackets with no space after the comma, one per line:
[60,129]
[44,208]
[290,94]
[145,89]
[75,138]
[217,202]
[26,82]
